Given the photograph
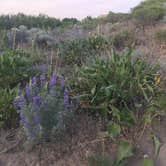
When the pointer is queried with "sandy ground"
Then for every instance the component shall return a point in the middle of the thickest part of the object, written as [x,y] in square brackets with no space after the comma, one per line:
[77,156]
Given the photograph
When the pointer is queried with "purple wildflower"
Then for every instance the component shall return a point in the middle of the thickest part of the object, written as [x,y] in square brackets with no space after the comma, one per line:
[28,125]
[37,100]
[62,81]
[53,80]
[28,92]
[33,81]
[22,101]
[66,97]
[54,74]
[42,79]
[16,103]
[22,118]
[36,119]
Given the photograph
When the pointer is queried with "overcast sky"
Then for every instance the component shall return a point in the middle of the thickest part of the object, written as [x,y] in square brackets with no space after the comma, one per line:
[66,8]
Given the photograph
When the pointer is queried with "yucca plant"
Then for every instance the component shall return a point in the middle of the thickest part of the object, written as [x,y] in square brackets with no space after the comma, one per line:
[76,51]
[116,86]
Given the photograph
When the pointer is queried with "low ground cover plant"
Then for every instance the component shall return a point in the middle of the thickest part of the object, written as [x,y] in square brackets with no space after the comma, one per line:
[118,88]
[43,107]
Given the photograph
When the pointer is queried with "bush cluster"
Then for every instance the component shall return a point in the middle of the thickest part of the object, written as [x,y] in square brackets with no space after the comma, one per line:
[43,107]
[33,36]
[149,12]
[14,67]
[123,39]
[76,51]
[117,87]
[160,35]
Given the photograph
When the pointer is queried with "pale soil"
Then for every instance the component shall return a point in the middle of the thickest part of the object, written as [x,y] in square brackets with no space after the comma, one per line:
[81,149]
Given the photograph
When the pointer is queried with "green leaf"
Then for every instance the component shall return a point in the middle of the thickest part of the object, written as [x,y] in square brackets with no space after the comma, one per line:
[147,162]
[157,144]
[114,130]
[115,112]
[125,150]
[147,118]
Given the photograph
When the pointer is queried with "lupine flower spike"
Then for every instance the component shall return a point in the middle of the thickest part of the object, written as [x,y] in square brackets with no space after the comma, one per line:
[66,97]
[22,118]
[22,101]
[42,79]
[28,92]
[33,81]
[37,100]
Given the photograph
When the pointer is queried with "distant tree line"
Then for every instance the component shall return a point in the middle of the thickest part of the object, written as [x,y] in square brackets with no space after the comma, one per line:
[40,21]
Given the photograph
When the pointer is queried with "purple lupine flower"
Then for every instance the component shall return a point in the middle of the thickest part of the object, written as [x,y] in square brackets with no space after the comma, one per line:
[22,101]
[37,100]
[53,80]
[16,103]
[28,125]
[19,92]
[42,79]
[22,118]
[54,74]
[62,81]
[34,81]
[66,97]
[28,92]
[36,119]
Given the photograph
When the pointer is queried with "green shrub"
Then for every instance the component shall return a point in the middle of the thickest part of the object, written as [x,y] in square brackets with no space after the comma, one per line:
[116,87]
[8,115]
[160,35]
[116,17]
[123,39]
[14,67]
[89,23]
[76,51]
[148,12]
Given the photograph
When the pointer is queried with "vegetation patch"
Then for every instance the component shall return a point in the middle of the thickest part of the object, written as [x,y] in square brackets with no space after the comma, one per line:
[76,51]
[118,88]
[160,35]
[123,39]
